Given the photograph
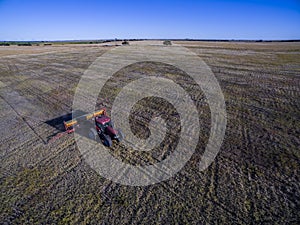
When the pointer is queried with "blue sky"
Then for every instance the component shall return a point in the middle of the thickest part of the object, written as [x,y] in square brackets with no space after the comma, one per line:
[91,19]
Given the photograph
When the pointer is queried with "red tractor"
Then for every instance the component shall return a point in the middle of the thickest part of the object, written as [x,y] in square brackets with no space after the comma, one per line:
[100,125]
[105,130]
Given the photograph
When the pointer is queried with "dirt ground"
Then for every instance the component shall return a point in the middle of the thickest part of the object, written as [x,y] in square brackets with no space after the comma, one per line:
[253,180]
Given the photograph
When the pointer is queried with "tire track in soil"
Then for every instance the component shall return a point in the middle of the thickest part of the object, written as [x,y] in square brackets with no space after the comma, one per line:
[142,198]
[210,193]
[211,196]
[249,196]
[24,119]
[145,192]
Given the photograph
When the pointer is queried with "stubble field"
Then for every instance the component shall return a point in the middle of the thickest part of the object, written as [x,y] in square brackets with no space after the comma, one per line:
[254,178]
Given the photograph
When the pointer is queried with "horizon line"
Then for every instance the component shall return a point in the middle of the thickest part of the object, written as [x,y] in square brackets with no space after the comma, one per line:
[151,39]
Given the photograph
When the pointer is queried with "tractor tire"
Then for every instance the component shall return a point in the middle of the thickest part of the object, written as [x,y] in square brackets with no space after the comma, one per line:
[107,140]
[120,136]
[93,134]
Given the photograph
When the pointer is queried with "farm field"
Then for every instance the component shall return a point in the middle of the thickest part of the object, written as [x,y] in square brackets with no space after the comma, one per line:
[253,180]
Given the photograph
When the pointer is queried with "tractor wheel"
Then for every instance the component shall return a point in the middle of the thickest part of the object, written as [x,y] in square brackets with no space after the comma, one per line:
[107,140]
[93,134]
[120,136]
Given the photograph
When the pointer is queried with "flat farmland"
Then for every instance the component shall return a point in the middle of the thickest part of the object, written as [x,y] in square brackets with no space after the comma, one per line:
[254,178]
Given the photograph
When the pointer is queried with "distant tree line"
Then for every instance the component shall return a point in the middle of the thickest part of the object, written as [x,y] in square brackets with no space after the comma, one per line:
[25,44]
[4,44]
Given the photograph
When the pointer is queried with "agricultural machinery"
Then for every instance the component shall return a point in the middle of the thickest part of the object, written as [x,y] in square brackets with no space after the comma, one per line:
[98,124]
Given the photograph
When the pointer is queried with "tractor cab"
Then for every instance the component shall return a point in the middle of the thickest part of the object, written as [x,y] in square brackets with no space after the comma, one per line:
[102,122]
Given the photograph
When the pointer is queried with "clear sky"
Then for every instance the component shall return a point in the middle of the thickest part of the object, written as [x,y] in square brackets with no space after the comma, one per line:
[207,19]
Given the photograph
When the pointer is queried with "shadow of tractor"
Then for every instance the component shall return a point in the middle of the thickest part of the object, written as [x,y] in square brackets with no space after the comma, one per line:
[58,124]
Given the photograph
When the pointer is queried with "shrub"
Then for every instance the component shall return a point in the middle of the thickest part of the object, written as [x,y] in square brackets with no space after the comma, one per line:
[167,42]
